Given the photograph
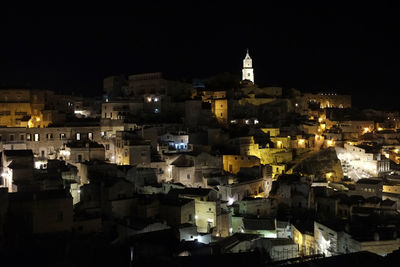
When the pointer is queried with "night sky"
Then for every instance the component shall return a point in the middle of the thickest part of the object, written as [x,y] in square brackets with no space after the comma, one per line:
[350,50]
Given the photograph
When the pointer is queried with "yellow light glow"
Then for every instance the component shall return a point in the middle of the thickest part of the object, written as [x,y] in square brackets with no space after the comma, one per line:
[380,129]
[330,142]
[329,175]
[301,141]
[366,130]
[320,119]
[279,144]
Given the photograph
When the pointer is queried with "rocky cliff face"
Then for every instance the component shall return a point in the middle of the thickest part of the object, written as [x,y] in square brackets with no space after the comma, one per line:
[323,164]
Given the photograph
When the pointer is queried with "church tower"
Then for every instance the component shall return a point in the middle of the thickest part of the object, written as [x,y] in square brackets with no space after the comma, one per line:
[248,72]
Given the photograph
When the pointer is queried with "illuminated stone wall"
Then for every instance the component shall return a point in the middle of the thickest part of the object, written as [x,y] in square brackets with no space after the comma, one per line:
[329,100]
[233,163]
[220,110]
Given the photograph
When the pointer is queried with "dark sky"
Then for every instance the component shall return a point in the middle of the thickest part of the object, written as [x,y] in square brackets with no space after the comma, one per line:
[350,50]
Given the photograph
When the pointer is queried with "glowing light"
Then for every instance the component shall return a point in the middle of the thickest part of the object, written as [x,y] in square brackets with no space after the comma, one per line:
[156,99]
[324,245]
[255,121]
[330,143]
[296,105]
[40,164]
[320,119]
[366,130]
[230,201]
[301,141]
[380,129]
[279,144]
[329,175]
[196,217]
[148,99]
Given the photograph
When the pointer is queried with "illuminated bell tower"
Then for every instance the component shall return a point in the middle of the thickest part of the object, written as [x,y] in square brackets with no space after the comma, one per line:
[248,72]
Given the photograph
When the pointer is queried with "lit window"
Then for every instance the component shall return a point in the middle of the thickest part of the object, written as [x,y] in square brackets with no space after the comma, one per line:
[78,136]
[90,136]
[36,137]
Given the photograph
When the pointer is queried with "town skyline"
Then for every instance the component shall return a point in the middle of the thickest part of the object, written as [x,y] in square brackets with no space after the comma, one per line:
[345,55]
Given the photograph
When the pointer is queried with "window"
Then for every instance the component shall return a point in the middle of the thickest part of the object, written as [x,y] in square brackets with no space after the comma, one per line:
[21,137]
[188,176]
[36,137]
[222,106]
[221,114]
[103,134]
[78,136]
[29,137]
[0,137]
[209,209]
[190,217]
[42,153]
[63,136]
[49,136]
[11,137]
[105,115]
[107,146]
[110,114]
[90,136]
[79,158]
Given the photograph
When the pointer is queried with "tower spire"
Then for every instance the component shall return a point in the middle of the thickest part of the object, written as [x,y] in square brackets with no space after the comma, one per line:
[247,71]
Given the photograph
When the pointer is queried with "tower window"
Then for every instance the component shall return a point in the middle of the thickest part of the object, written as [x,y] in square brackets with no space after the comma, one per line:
[248,74]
